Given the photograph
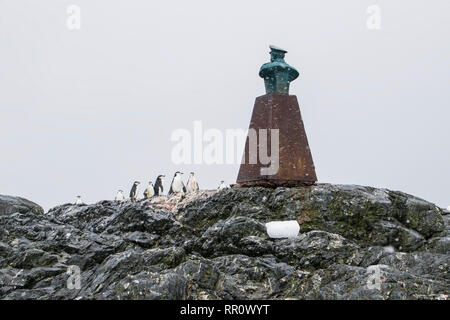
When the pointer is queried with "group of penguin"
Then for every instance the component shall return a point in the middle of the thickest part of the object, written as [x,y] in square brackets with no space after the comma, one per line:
[176,187]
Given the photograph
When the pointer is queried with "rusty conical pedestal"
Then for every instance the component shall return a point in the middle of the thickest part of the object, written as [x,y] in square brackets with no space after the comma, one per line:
[278,110]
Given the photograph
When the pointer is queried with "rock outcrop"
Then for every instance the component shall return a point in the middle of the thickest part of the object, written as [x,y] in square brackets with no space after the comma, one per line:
[10,204]
[354,243]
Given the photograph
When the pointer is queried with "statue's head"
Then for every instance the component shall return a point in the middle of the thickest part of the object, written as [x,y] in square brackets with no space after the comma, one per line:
[276,53]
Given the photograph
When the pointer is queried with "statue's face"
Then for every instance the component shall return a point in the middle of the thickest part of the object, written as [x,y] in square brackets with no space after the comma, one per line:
[274,55]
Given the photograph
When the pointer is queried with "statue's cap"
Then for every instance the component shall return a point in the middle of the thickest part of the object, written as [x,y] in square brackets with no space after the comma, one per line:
[275,48]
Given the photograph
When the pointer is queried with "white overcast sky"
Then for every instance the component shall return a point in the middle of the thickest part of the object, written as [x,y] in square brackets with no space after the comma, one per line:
[89,111]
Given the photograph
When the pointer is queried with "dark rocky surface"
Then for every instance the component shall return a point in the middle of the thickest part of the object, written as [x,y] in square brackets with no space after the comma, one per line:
[9,204]
[215,246]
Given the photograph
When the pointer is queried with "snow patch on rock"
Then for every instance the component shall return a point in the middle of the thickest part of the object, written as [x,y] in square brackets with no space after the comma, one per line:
[283,229]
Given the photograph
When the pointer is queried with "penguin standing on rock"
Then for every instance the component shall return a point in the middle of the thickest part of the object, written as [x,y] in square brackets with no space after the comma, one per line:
[120,196]
[222,185]
[177,185]
[78,201]
[149,191]
[134,191]
[191,185]
[158,188]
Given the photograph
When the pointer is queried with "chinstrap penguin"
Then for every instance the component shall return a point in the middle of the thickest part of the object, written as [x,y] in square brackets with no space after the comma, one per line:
[177,185]
[149,191]
[158,187]
[191,185]
[78,201]
[222,185]
[134,191]
[120,196]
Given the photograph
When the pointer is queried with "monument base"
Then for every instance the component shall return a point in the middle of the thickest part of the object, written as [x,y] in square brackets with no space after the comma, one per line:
[295,167]
[266,183]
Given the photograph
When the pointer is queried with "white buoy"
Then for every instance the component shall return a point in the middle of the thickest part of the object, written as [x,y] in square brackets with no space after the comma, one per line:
[283,229]
[448,208]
